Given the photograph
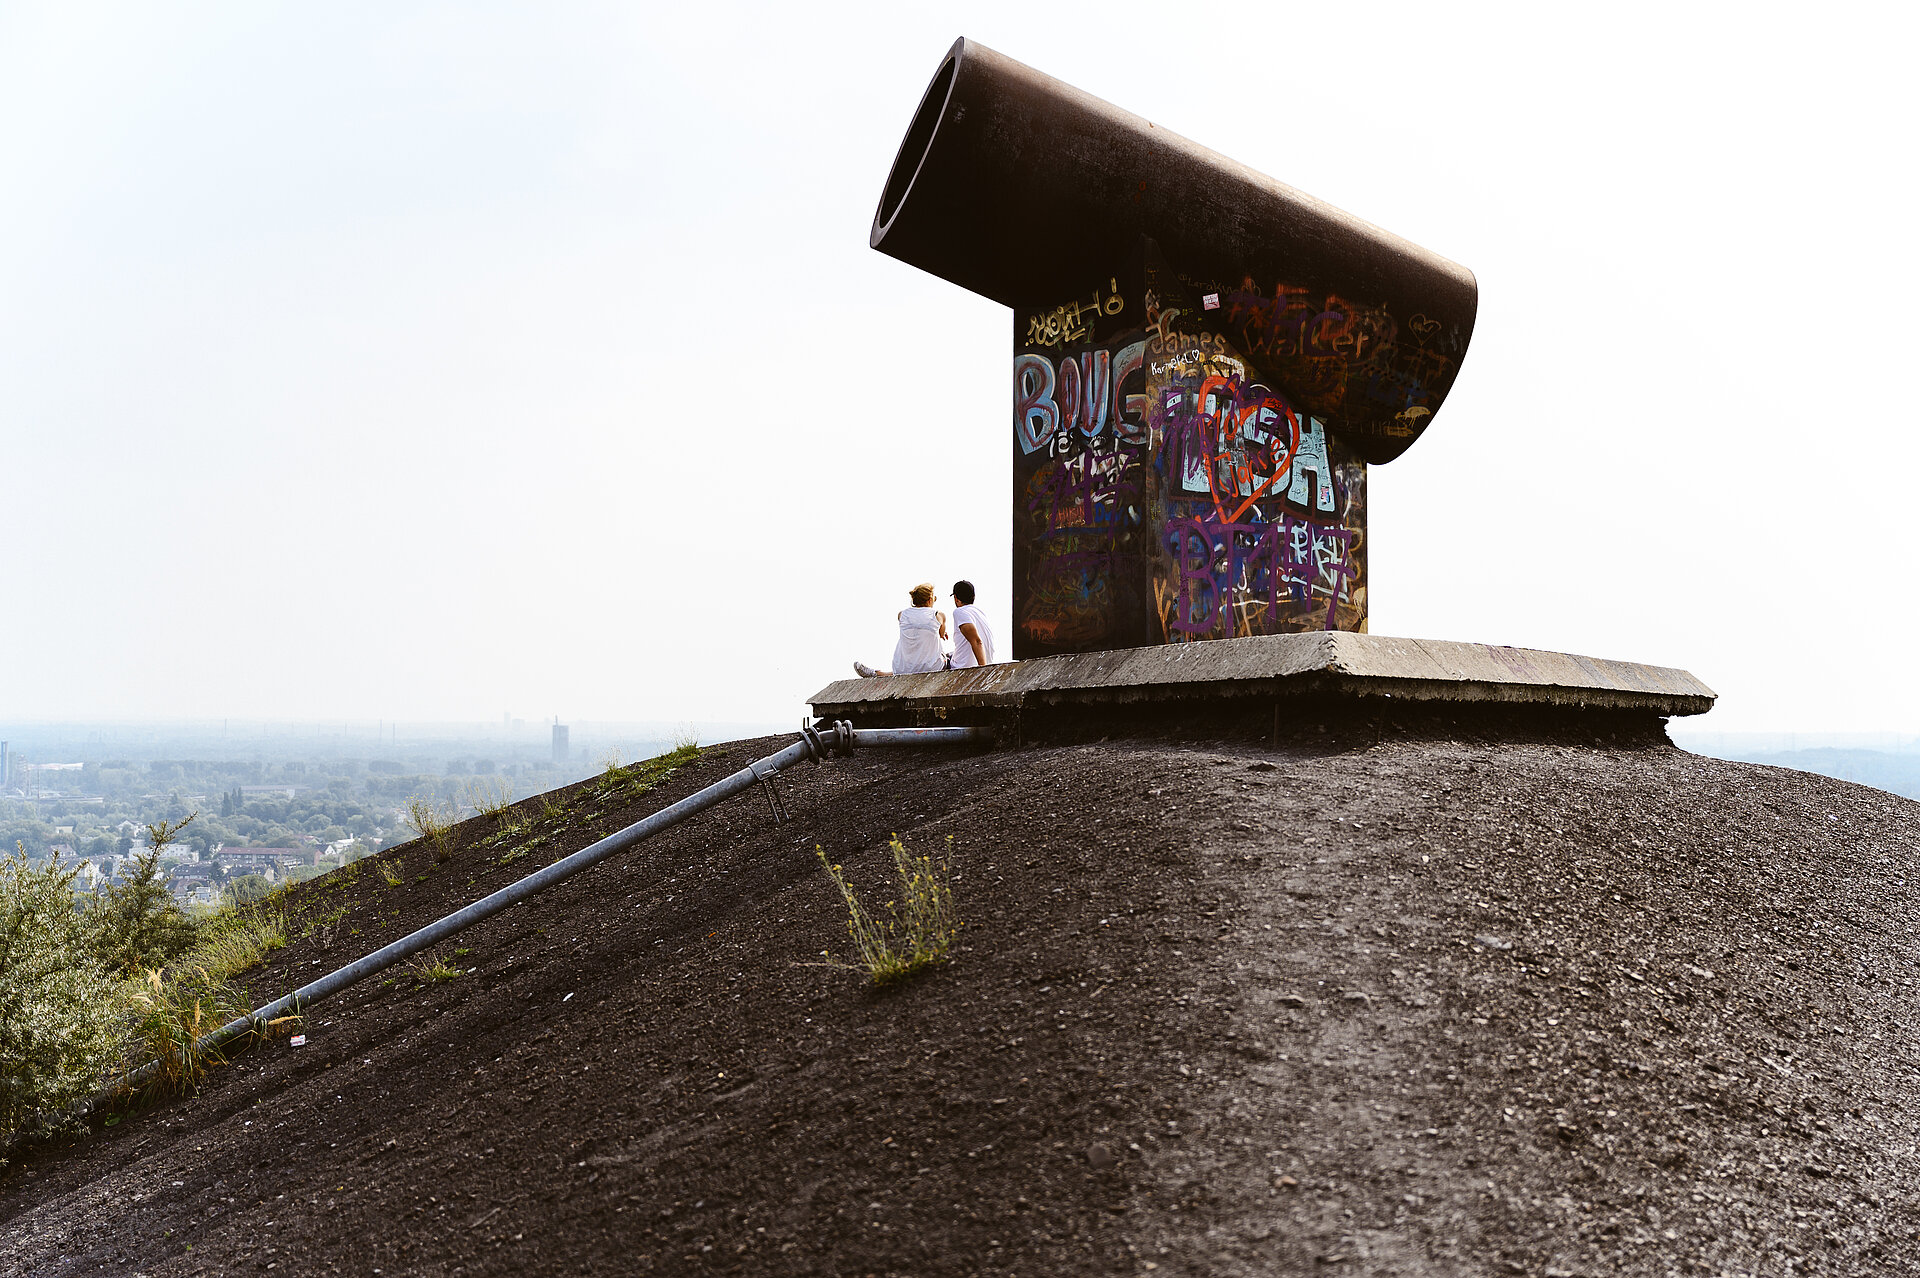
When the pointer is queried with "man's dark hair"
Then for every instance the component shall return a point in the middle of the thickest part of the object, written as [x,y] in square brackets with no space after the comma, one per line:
[963,591]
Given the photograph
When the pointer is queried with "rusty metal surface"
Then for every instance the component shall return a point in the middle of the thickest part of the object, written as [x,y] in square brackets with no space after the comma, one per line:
[1025,189]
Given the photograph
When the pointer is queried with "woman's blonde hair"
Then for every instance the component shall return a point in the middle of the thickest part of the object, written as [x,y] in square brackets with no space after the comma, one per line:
[922,595]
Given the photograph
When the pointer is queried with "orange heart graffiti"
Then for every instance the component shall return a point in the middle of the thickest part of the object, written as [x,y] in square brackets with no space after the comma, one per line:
[1217,427]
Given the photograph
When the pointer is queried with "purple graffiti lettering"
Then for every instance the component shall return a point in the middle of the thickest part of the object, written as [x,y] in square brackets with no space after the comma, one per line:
[1088,489]
[1217,564]
[1197,602]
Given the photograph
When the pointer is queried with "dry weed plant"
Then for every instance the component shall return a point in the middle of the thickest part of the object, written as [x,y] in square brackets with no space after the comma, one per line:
[919,927]
[389,872]
[433,823]
[492,796]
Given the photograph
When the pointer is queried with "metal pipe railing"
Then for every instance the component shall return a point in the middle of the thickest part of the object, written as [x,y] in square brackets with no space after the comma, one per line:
[816,743]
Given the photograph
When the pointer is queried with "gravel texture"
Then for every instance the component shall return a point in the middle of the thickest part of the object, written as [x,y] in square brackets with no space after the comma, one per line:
[1407,1000]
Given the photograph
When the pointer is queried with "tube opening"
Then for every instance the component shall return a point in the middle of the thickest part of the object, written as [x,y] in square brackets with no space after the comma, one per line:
[914,147]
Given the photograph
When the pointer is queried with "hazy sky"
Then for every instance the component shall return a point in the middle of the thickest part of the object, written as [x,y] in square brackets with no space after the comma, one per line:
[434,361]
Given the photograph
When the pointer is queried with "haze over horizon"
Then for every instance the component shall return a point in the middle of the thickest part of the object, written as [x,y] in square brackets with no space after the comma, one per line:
[423,363]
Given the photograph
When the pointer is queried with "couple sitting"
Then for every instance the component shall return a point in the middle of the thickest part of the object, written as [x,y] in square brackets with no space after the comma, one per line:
[922,629]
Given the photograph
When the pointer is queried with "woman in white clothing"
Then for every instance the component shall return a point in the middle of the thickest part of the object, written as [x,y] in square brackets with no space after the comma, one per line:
[922,629]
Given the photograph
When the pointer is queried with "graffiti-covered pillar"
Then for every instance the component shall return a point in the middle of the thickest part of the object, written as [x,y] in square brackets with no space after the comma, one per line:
[1082,457]
[1166,488]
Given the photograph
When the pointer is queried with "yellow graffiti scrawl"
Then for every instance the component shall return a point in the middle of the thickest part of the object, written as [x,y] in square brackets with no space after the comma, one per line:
[1068,323]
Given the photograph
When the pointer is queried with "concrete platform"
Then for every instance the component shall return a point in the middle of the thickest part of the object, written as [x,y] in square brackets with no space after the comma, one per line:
[1267,669]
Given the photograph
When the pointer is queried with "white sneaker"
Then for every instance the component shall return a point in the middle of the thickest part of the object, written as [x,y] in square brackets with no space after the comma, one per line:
[865,671]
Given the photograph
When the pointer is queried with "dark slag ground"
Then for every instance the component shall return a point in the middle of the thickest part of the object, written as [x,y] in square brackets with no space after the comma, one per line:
[1373,1002]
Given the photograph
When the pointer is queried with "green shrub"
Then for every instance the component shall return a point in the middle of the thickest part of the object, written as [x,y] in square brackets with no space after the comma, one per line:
[247,889]
[59,1013]
[920,926]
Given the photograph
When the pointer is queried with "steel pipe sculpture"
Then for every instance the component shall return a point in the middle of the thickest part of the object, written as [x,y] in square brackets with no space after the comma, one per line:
[1205,358]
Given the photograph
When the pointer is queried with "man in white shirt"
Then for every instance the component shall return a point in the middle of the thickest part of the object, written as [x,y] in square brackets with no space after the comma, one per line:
[972,636]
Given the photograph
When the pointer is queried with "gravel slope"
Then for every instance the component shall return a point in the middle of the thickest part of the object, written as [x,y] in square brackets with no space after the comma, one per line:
[1393,1003]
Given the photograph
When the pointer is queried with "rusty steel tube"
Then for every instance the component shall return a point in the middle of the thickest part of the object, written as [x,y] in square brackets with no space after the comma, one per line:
[1029,191]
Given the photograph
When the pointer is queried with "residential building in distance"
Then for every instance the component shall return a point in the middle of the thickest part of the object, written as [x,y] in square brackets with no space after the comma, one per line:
[249,859]
[284,791]
[194,889]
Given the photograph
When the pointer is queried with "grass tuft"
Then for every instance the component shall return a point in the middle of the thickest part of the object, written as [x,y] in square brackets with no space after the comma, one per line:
[431,967]
[171,1013]
[174,1007]
[389,872]
[233,941]
[919,927]
[325,920]
[636,779]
